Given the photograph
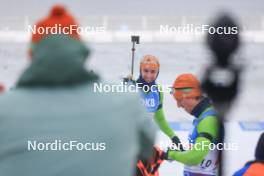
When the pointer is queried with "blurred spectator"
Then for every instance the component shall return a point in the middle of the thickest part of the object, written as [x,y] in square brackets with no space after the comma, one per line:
[54,123]
[2,88]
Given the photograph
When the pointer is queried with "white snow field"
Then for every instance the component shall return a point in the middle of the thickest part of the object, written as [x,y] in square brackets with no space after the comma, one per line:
[112,61]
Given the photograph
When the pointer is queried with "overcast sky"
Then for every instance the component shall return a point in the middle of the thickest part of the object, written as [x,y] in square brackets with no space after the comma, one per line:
[134,7]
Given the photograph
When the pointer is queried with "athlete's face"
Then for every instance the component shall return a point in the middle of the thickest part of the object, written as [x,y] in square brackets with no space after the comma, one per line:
[187,104]
[149,74]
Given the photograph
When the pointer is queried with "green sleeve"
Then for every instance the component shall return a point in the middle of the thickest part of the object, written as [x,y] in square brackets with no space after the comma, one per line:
[196,154]
[163,124]
[161,121]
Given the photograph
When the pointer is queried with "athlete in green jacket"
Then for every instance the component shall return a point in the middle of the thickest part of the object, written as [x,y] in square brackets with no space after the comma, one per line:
[151,94]
[151,97]
[202,158]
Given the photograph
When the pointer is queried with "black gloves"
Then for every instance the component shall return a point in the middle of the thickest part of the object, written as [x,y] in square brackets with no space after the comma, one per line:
[176,141]
[165,155]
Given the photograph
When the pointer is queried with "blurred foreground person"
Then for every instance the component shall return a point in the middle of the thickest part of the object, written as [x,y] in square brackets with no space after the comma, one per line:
[221,80]
[256,167]
[2,88]
[54,123]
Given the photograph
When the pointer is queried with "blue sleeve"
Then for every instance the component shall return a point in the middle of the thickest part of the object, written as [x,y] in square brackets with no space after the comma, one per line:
[242,171]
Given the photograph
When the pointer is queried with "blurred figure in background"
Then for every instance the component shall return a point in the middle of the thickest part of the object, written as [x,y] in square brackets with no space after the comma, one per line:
[54,123]
[256,167]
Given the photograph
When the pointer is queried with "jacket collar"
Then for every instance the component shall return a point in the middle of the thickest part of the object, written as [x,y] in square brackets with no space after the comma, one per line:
[201,107]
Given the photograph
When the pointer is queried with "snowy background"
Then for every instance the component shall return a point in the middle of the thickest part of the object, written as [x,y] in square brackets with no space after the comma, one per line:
[111,58]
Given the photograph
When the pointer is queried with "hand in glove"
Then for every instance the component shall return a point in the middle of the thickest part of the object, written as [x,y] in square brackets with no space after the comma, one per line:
[176,141]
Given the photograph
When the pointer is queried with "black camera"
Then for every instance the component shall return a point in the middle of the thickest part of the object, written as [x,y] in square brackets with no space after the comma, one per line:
[135,38]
